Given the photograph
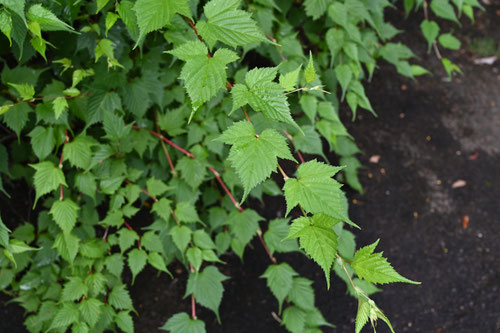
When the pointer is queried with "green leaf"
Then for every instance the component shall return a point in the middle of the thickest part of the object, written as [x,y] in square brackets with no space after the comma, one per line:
[47,20]
[119,298]
[263,95]
[449,41]
[310,71]
[205,76]
[4,234]
[276,233]
[450,67]
[344,75]
[67,246]
[127,14]
[156,187]
[151,242]
[374,268]
[101,4]
[65,316]
[279,278]
[302,293]
[316,8]
[309,105]
[114,264]
[60,104]
[254,157]
[47,178]
[162,208]
[181,236]
[289,80]
[74,289]
[111,19]
[17,6]
[430,30]
[90,310]
[317,238]
[156,260]
[193,170]
[294,319]
[203,240]
[126,238]
[186,212]
[182,323]
[78,152]
[42,141]
[228,24]
[17,117]
[6,25]
[244,225]
[362,315]
[124,322]
[207,288]
[26,91]
[155,14]
[444,9]
[195,257]
[136,261]
[64,212]
[315,191]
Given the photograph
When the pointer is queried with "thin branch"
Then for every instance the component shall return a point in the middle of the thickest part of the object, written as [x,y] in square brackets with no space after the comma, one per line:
[185,152]
[132,229]
[301,158]
[221,182]
[278,48]
[165,150]
[285,177]
[266,248]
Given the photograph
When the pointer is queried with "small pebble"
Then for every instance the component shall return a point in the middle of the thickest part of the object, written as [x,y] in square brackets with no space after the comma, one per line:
[428,138]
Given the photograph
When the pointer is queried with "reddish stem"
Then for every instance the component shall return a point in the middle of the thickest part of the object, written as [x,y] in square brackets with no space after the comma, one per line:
[301,158]
[61,194]
[139,237]
[263,242]
[193,307]
[166,140]
[191,23]
[221,182]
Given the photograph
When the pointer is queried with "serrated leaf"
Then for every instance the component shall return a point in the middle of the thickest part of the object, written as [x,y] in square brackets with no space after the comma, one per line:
[195,257]
[78,152]
[60,104]
[279,278]
[124,322]
[344,75]
[294,319]
[244,225]
[17,6]
[430,30]
[155,14]
[101,4]
[254,157]
[156,187]
[136,261]
[289,80]
[67,246]
[74,289]
[47,178]
[162,208]
[111,19]
[114,264]
[207,288]
[317,238]
[302,293]
[6,25]
[17,117]
[126,238]
[186,212]
[47,20]
[26,91]
[362,315]
[315,191]
[374,268]
[193,170]
[119,298]
[65,316]
[228,24]
[90,310]
[316,8]
[276,233]
[42,141]
[310,71]
[64,212]
[182,323]
[181,236]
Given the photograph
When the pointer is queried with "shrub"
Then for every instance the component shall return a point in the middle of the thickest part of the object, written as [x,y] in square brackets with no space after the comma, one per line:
[184,110]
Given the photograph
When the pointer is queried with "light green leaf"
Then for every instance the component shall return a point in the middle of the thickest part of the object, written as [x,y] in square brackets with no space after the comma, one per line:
[302,293]
[111,19]
[254,156]
[310,71]
[156,260]
[195,257]
[101,4]
[124,322]
[279,278]
[276,233]
[207,288]
[6,24]
[136,261]
[74,289]
[156,187]
[450,67]
[155,14]
[64,212]
[90,310]
[67,246]
[114,264]
[119,298]
[65,316]
[294,319]
[430,30]
[186,212]
[26,91]
[444,9]
[47,20]
[182,323]
[126,238]
[193,170]
[244,225]
[363,314]
[17,117]
[289,80]
[317,238]
[449,41]
[47,178]
[17,6]
[181,236]
[162,208]
[316,191]
[374,268]
[344,75]
[60,104]
[78,152]
[228,24]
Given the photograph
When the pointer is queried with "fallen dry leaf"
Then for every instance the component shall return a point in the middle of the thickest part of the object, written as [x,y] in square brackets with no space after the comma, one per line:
[465,221]
[474,156]
[458,183]
[486,61]
[374,159]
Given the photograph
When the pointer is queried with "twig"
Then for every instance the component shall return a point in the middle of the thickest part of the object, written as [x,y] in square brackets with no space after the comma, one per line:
[185,152]
[285,177]
[266,248]
[277,46]
[165,150]
[301,158]
[132,229]
[221,182]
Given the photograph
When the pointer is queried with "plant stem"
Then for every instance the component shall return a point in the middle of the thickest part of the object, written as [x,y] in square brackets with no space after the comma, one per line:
[285,177]
[301,158]
[221,182]
[266,248]
[185,152]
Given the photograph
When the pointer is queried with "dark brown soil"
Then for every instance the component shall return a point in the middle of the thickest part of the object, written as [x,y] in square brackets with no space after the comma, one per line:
[429,134]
